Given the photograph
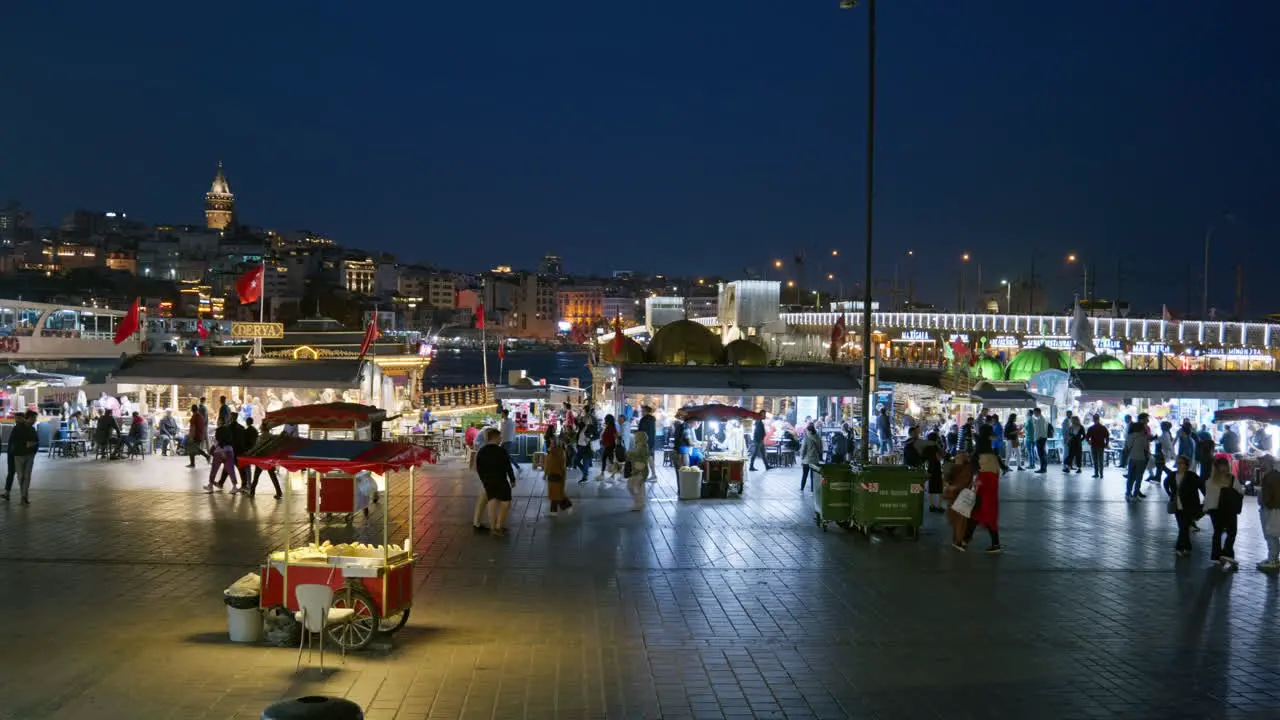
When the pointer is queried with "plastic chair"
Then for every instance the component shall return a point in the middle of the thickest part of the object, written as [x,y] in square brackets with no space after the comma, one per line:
[316,616]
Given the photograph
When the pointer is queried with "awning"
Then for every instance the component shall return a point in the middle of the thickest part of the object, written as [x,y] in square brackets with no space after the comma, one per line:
[781,381]
[163,369]
[1165,384]
[542,393]
[348,456]
[1007,398]
[334,415]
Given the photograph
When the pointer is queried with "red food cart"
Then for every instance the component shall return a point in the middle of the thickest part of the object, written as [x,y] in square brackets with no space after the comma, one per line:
[378,585]
[722,469]
[334,493]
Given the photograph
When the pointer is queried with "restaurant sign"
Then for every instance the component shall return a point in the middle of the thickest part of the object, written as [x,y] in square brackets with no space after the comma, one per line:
[252,330]
[1151,348]
[915,336]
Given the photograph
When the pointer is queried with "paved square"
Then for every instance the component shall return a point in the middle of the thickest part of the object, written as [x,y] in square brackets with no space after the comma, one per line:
[711,609]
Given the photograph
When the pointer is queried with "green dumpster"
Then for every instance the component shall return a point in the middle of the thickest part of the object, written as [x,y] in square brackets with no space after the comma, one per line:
[888,496]
[832,494]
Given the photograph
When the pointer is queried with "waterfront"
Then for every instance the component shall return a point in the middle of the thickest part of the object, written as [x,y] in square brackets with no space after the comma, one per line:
[465,367]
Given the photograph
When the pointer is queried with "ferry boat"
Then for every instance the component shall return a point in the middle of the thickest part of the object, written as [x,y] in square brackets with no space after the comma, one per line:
[64,339]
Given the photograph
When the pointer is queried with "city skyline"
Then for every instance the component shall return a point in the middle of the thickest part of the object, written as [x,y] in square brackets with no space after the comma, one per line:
[734,136]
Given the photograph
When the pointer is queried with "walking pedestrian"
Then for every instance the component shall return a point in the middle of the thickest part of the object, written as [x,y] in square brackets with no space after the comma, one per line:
[637,469]
[498,477]
[757,445]
[555,466]
[810,456]
[1043,430]
[1137,448]
[1013,436]
[1183,488]
[959,477]
[23,446]
[987,512]
[196,436]
[1223,502]
[649,426]
[1269,513]
[1099,438]
[509,437]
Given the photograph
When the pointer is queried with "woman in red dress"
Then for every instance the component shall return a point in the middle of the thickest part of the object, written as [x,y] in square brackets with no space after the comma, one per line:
[987,512]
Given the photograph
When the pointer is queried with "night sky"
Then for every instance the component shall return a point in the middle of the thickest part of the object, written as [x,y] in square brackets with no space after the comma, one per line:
[678,137]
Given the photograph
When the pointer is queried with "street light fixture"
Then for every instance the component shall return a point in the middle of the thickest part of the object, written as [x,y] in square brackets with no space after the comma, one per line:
[868,366]
[1072,258]
[1008,296]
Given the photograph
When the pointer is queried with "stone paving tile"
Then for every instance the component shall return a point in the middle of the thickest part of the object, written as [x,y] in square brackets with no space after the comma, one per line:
[716,609]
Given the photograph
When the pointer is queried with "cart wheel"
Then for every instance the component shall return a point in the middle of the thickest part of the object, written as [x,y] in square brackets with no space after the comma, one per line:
[350,518]
[366,513]
[817,519]
[311,518]
[360,631]
[392,623]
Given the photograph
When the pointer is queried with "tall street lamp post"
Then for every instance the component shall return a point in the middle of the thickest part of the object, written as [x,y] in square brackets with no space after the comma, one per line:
[1008,296]
[868,362]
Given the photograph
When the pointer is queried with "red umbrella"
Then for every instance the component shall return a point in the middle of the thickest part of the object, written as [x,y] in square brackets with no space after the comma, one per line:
[717,411]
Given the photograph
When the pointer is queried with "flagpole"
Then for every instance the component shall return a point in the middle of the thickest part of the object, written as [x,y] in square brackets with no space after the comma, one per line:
[262,305]
[484,348]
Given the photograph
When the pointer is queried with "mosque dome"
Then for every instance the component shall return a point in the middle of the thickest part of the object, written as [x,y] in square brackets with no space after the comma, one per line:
[632,352]
[1036,360]
[1103,362]
[685,342]
[989,368]
[745,352]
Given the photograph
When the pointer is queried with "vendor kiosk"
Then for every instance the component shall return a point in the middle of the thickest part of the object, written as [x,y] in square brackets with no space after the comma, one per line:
[721,471]
[335,492]
[375,582]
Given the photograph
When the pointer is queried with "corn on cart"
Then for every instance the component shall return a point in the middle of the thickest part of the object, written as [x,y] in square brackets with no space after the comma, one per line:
[374,581]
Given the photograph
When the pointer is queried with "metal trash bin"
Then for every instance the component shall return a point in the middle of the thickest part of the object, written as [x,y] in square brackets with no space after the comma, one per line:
[888,496]
[690,483]
[313,707]
[832,494]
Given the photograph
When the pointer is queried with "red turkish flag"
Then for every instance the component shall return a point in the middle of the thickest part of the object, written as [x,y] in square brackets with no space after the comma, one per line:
[502,351]
[370,335]
[480,316]
[837,337]
[130,324]
[617,336]
[249,286]
[201,329]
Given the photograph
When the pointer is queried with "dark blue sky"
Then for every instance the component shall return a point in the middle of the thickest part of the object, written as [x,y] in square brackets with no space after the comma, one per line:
[672,136]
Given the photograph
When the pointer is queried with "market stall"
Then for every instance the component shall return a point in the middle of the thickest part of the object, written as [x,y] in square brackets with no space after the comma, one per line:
[723,468]
[533,406]
[335,492]
[374,581]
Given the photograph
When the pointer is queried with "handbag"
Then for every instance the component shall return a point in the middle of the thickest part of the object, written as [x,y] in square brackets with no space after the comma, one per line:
[1172,504]
[966,500]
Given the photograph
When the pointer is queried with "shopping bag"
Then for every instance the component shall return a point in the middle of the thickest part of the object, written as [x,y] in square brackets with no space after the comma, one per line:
[965,501]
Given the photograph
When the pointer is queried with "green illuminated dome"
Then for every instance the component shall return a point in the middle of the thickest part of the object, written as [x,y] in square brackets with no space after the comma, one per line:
[1103,362]
[1036,360]
[745,352]
[685,342]
[631,352]
[989,368]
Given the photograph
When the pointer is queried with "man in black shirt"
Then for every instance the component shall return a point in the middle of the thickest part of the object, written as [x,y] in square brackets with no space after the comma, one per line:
[23,444]
[757,445]
[493,465]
